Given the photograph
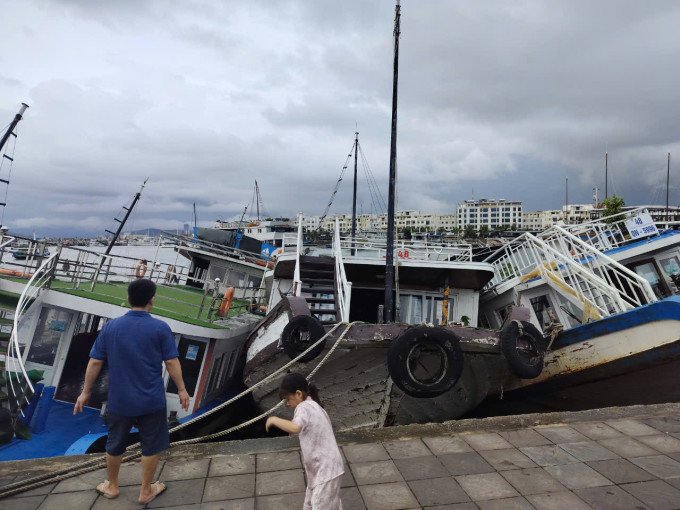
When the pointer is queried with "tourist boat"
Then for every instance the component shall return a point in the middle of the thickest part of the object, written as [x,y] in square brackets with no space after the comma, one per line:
[604,294]
[25,251]
[330,317]
[55,309]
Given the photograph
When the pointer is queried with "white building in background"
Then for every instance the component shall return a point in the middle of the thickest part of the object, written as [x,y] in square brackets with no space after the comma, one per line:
[490,213]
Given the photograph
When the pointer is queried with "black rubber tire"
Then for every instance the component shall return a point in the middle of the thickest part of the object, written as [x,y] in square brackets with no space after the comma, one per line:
[301,332]
[402,364]
[523,346]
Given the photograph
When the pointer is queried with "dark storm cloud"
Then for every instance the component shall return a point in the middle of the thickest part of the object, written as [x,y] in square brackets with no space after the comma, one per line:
[204,98]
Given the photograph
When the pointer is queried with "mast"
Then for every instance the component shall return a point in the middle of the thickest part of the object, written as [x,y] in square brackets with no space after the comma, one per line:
[668,180]
[354,196]
[257,199]
[566,200]
[12,125]
[606,171]
[389,253]
[121,223]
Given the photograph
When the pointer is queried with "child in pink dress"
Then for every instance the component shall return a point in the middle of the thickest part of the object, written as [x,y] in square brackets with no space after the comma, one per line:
[320,453]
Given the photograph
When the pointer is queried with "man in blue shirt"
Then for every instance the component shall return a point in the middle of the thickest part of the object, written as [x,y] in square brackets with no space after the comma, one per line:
[135,346]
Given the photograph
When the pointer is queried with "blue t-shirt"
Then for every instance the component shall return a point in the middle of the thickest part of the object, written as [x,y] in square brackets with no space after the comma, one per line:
[135,346]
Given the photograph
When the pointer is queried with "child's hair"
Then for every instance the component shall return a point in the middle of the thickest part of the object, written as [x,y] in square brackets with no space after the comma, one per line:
[293,382]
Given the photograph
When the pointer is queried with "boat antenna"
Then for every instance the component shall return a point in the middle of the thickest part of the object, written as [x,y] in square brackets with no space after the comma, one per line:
[121,223]
[354,196]
[389,254]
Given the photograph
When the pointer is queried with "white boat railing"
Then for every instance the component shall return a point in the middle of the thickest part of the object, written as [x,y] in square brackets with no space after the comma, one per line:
[297,281]
[404,250]
[613,231]
[344,288]
[577,270]
[18,382]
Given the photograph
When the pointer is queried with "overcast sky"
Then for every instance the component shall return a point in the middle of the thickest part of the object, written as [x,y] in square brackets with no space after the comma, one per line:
[499,99]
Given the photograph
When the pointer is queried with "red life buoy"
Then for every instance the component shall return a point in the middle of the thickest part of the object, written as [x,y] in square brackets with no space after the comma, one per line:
[225,305]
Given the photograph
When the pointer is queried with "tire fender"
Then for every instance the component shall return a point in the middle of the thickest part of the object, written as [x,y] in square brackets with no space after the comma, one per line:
[524,349]
[299,334]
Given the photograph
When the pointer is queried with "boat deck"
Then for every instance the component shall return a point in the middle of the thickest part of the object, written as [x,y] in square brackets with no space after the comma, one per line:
[179,302]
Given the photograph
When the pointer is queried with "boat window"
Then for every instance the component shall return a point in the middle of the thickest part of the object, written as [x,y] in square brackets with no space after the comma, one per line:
[544,311]
[671,266]
[49,330]
[190,359]
[649,272]
[483,321]
[416,310]
[215,373]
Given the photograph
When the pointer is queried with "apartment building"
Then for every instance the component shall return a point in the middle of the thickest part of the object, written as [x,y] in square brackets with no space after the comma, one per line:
[490,213]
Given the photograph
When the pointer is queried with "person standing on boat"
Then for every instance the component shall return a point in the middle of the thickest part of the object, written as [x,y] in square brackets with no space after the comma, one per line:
[320,452]
[135,346]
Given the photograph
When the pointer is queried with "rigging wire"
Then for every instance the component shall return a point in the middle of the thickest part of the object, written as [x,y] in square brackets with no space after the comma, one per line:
[337,186]
[373,183]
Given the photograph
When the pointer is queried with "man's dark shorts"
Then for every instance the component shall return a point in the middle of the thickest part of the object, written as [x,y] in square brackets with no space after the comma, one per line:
[153,432]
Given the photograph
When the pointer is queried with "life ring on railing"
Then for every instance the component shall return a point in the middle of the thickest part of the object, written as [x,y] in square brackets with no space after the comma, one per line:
[225,305]
[299,334]
[424,361]
[524,347]
[140,268]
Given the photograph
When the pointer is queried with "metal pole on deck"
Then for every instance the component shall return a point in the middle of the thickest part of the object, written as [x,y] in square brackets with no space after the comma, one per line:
[668,180]
[354,196]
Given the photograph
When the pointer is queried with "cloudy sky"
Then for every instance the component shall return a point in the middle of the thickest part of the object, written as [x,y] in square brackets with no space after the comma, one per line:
[496,99]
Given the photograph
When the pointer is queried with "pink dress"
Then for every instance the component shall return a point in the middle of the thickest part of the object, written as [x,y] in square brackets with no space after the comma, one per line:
[321,457]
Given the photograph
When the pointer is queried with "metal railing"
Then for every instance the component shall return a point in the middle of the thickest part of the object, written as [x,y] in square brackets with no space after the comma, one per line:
[344,288]
[18,382]
[574,268]
[403,249]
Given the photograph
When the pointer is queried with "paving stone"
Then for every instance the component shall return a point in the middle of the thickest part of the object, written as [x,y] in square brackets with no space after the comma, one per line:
[620,471]
[664,424]
[27,503]
[421,468]
[533,481]
[632,427]
[609,498]
[233,504]
[351,499]
[127,499]
[657,494]
[223,465]
[627,447]
[661,466]
[365,452]
[6,480]
[486,486]
[578,476]
[486,441]
[278,461]
[347,479]
[279,482]
[181,492]
[229,487]
[596,430]
[382,471]
[443,445]
[557,501]
[524,437]
[280,501]
[469,463]
[663,443]
[548,455]
[438,491]
[561,434]
[184,470]
[588,451]
[130,474]
[516,503]
[407,449]
[40,491]
[509,458]
[388,496]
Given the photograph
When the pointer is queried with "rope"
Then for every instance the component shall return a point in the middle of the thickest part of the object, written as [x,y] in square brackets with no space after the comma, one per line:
[100,462]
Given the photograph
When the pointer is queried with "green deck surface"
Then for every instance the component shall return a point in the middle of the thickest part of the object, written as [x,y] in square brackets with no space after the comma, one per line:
[177,302]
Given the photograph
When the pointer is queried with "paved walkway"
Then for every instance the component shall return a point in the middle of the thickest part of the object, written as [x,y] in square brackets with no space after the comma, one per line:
[618,461]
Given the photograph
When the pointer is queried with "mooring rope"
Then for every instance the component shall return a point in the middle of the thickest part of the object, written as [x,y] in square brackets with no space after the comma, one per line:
[134,453]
